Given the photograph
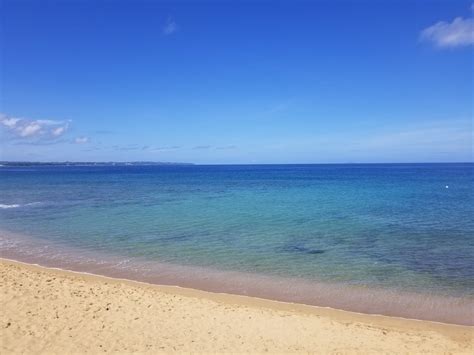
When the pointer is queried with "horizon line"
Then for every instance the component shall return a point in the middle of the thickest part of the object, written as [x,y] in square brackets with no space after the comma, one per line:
[147,162]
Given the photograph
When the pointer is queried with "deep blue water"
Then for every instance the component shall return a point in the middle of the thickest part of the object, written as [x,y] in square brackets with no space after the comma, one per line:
[392,226]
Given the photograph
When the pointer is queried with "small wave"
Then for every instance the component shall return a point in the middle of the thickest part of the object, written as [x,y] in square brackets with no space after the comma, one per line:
[16,205]
[33,204]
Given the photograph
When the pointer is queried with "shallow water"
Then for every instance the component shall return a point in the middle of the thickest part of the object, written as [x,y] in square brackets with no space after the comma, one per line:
[395,239]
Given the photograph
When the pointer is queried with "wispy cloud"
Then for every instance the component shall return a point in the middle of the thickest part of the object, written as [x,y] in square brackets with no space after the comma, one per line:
[126,147]
[441,135]
[227,147]
[444,140]
[170,27]
[24,128]
[81,140]
[458,33]
[103,131]
[202,147]
[279,107]
[92,149]
[37,143]
[163,149]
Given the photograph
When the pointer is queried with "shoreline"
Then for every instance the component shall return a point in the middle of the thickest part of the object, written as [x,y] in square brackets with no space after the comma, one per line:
[356,299]
[205,307]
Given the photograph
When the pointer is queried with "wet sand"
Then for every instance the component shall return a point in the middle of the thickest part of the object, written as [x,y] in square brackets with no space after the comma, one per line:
[53,311]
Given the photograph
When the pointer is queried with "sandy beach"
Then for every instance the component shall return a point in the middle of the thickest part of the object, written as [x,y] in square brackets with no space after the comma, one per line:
[53,311]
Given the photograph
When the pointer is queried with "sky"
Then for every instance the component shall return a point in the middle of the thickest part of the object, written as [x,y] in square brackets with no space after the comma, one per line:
[237,82]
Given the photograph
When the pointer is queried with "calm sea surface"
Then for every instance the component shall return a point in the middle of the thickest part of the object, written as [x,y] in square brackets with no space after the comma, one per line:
[395,239]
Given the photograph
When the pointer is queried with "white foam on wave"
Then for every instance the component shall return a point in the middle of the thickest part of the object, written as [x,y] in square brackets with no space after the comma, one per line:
[16,205]
[9,206]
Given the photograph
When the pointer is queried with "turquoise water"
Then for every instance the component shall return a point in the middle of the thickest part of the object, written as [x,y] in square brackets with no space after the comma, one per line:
[396,228]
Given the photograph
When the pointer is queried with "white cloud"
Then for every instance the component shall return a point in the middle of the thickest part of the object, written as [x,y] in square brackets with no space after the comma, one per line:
[443,34]
[170,27]
[9,122]
[56,132]
[33,129]
[29,130]
[81,140]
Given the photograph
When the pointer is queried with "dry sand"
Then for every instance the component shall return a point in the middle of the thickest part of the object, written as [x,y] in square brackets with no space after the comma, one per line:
[52,311]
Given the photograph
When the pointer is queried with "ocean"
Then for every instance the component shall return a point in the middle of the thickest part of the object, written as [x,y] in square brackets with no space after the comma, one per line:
[393,239]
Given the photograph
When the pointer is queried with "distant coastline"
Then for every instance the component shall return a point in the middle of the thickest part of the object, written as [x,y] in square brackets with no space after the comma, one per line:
[85,163]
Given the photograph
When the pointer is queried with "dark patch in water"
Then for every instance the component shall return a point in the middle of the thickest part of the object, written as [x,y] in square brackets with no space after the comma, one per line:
[302,249]
[174,238]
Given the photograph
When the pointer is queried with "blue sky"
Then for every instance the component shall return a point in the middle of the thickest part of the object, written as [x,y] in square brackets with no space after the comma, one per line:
[237,81]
